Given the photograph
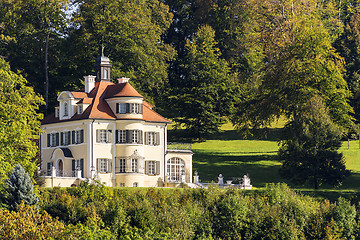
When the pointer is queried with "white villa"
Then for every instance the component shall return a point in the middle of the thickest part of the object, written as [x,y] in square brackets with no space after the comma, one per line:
[109,133]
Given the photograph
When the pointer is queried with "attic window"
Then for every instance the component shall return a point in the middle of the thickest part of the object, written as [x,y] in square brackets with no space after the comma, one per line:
[66,110]
[122,108]
[80,109]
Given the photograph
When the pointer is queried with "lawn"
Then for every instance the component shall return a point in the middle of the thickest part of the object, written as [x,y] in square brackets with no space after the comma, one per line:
[232,156]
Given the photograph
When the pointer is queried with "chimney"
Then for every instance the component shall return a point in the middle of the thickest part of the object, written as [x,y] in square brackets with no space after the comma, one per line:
[123,80]
[89,83]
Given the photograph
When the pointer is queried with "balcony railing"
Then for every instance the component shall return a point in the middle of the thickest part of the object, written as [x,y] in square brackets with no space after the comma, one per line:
[48,173]
[178,146]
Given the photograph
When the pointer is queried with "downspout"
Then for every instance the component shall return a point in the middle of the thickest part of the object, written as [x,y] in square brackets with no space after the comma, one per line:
[92,147]
[114,154]
[165,147]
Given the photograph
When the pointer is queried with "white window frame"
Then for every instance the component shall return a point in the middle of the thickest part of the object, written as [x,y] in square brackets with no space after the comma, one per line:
[66,110]
[103,135]
[66,140]
[121,136]
[103,165]
[80,109]
[122,165]
[77,136]
[135,165]
[152,167]
[151,138]
[52,140]
[134,108]
[175,168]
[122,108]
[135,136]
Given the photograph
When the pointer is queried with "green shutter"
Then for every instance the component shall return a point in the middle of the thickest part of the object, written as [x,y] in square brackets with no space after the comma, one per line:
[127,107]
[97,135]
[147,167]
[48,140]
[57,139]
[98,164]
[62,138]
[73,167]
[82,167]
[140,136]
[128,136]
[117,107]
[157,167]
[108,136]
[109,163]
[69,139]
[146,138]
[81,135]
[157,138]
[73,137]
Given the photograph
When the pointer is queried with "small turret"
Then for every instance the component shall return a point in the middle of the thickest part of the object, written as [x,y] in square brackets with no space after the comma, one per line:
[103,68]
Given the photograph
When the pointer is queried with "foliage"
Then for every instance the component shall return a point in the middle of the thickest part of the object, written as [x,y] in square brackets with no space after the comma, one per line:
[310,151]
[276,212]
[35,31]
[19,188]
[300,62]
[207,89]
[27,223]
[19,122]
[131,33]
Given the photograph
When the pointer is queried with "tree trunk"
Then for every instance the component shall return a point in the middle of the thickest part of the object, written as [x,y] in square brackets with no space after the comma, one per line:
[46,72]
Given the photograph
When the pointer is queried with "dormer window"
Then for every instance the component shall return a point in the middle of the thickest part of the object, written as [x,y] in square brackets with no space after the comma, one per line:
[134,108]
[123,108]
[66,110]
[80,109]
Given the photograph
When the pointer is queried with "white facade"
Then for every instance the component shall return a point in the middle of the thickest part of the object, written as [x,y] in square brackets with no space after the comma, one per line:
[109,133]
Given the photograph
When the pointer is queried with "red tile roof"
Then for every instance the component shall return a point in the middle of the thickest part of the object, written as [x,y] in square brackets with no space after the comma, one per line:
[121,90]
[99,109]
[85,100]
[79,94]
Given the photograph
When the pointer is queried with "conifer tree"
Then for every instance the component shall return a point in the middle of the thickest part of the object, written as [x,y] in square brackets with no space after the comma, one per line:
[310,153]
[207,87]
[18,188]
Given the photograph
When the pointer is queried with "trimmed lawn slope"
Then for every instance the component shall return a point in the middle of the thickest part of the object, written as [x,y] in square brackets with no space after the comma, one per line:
[233,156]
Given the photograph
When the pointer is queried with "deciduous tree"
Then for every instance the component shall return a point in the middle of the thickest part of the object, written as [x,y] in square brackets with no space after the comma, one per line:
[300,62]
[131,33]
[19,122]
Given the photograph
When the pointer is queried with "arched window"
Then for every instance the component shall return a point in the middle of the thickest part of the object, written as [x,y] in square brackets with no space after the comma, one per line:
[66,110]
[175,168]
[60,168]
[105,74]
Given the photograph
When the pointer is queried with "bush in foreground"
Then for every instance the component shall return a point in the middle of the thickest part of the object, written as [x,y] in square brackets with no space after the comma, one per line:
[134,213]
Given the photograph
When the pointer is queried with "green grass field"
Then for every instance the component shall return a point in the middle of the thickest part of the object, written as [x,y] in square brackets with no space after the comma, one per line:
[232,156]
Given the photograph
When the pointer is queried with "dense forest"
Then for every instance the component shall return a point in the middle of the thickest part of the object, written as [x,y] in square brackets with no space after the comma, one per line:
[198,61]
